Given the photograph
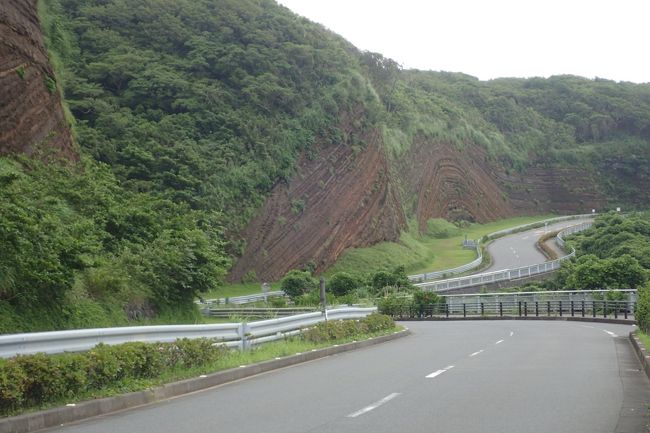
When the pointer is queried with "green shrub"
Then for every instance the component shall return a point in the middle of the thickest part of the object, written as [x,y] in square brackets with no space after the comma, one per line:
[392,305]
[643,308]
[345,329]
[296,283]
[349,299]
[379,322]
[342,283]
[13,381]
[422,298]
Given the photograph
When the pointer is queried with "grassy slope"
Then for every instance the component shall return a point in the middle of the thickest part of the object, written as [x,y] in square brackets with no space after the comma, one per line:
[420,254]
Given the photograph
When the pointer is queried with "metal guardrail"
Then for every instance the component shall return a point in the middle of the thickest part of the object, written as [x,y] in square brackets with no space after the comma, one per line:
[605,309]
[506,274]
[239,300]
[233,335]
[267,313]
[479,259]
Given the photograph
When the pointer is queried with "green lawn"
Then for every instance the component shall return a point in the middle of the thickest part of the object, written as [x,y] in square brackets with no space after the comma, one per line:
[420,254]
[238,289]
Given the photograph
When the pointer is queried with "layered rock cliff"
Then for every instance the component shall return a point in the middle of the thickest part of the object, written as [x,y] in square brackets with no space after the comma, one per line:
[31,115]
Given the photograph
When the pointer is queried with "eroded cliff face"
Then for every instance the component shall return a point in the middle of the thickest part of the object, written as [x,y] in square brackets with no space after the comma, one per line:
[340,198]
[453,183]
[31,115]
[561,190]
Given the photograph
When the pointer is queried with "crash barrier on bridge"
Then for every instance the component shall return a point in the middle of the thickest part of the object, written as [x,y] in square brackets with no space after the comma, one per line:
[238,300]
[565,296]
[506,274]
[234,335]
[479,259]
[593,309]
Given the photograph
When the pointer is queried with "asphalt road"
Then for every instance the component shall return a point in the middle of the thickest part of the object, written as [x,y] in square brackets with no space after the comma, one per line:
[465,377]
[519,249]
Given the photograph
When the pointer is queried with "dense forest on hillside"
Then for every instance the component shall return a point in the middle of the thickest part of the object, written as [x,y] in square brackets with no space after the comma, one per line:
[189,112]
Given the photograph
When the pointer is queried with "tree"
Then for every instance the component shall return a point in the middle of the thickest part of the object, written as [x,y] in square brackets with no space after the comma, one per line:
[342,283]
[296,283]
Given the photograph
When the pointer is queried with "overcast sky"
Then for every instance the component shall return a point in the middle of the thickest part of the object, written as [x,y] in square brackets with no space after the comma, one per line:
[497,38]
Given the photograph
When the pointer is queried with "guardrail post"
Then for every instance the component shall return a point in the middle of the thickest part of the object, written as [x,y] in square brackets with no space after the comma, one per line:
[482,309]
[536,309]
[560,307]
[519,303]
[548,308]
[464,310]
[616,310]
[572,311]
[242,332]
[583,308]
[447,310]
[500,309]
[593,308]
[626,305]
[605,310]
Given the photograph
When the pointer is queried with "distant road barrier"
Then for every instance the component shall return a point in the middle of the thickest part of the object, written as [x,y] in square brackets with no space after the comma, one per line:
[506,274]
[508,308]
[234,335]
[238,300]
[477,262]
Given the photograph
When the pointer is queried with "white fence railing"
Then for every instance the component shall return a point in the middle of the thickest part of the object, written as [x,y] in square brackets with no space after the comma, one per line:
[479,259]
[234,335]
[567,296]
[506,274]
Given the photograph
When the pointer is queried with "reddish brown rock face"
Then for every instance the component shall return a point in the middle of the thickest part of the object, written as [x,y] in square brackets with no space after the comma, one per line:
[453,183]
[339,199]
[31,116]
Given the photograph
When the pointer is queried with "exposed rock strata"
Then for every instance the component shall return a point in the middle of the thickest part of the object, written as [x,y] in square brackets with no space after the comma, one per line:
[337,200]
[31,116]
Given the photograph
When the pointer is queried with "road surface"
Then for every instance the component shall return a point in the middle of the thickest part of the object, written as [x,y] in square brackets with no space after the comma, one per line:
[518,250]
[451,377]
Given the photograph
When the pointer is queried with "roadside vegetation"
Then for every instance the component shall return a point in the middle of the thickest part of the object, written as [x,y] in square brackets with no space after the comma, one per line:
[187,113]
[32,382]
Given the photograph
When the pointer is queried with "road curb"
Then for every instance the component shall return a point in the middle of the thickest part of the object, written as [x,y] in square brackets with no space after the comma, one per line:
[66,414]
[641,353]
[552,318]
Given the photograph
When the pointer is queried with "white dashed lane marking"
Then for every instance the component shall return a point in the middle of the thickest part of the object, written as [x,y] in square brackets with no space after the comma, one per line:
[374,406]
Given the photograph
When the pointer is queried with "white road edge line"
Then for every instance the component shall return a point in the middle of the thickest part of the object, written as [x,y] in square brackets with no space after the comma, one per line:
[610,333]
[374,406]
[499,342]
[476,353]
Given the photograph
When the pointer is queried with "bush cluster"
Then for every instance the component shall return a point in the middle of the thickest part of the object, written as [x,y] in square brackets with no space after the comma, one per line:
[34,380]
[342,329]
[642,313]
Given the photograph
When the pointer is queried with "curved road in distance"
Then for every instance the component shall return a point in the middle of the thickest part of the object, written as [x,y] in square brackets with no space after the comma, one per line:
[517,250]
[451,377]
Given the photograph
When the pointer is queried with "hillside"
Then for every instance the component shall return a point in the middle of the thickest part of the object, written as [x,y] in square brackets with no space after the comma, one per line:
[253,137]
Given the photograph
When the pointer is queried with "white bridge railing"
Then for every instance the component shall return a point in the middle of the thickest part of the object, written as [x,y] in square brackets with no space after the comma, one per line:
[234,335]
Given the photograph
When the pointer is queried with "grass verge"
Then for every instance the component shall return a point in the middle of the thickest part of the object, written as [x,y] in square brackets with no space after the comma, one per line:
[422,253]
[645,338]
